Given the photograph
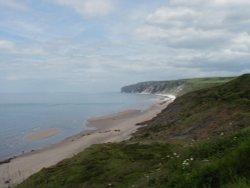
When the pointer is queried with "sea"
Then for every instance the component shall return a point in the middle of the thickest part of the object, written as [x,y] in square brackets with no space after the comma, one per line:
[24,113]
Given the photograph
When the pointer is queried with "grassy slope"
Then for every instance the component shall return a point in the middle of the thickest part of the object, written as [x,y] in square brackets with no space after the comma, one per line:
[221,162]
[202,114]
[152,159]
[202,83]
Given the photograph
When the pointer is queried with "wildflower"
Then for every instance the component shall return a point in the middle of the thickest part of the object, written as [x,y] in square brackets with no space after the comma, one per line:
[185,162]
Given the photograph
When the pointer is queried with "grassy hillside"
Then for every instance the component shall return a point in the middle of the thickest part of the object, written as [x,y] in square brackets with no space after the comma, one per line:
[202,114]
[202,83]
[176,87]
[223,162]
[200,140]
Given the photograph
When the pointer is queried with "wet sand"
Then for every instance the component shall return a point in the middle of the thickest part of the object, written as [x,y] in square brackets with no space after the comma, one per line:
[43,134]
[111,128]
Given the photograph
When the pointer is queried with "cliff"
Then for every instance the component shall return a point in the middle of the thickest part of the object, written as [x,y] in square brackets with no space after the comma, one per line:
[175,87]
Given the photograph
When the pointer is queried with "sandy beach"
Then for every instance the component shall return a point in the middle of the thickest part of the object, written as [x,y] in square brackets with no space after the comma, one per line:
[111,128]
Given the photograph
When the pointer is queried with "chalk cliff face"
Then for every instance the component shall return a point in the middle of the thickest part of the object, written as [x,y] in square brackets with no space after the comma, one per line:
[175,87]
[170,87]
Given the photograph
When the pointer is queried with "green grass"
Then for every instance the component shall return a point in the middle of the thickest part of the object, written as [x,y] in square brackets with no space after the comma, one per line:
[201,114]
[202,83]
[220,162]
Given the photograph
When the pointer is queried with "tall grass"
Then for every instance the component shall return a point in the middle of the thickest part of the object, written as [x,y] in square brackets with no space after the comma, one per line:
[221,162]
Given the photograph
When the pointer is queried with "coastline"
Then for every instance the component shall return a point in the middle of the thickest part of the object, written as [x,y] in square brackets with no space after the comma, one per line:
[115,127]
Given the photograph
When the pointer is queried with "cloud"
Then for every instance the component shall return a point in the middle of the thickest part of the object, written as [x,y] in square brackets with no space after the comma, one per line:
[241,43]
[207,37]
[209,2]
[156,40]
[184,37]
[6,45]
[22,28]
[13,4]
[232,2]
[13,50]
[165,14]
[89,8]
[196,24]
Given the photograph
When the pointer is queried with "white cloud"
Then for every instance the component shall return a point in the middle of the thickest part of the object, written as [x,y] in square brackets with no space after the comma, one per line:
[22,28]
[241,43]
[203,35]
[6,45]
[232,2]
[196,23]
[13,4]
[189,2]
[183,37]
[165,14]
[242,38]
[176,34]
[11,48]
[209,3]
[89,8]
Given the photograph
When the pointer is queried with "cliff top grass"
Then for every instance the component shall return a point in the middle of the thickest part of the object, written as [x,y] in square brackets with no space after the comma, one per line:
[202,83]
[176,87]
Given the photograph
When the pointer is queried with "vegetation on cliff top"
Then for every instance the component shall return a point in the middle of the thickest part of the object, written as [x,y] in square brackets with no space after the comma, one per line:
[176,87]
[201,140]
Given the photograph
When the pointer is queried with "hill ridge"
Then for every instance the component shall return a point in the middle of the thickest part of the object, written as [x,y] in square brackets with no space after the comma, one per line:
[175,87]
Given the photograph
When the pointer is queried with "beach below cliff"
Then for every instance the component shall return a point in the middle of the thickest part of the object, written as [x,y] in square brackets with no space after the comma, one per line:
[115,127]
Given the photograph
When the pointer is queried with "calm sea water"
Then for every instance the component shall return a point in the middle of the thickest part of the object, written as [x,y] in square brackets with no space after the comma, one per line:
[22,114]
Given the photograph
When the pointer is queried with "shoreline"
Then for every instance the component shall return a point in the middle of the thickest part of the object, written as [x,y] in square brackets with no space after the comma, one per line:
[115,127]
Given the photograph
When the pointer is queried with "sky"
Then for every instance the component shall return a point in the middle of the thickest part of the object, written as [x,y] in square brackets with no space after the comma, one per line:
[102,45]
